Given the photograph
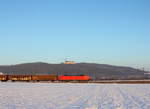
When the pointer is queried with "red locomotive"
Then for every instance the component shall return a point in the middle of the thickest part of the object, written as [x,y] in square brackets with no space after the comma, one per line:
[73,78]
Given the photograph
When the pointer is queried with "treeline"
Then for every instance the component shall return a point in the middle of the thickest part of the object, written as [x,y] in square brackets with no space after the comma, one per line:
[96,71]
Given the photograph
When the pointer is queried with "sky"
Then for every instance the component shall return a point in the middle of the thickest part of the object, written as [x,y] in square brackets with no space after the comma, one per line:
[113,32]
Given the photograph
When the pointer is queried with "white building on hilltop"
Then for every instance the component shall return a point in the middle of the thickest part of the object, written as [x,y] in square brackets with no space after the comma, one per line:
[69,62]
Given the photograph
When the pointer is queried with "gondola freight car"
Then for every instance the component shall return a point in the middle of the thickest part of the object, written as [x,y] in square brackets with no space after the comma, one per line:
[44,77]
[20,77]
[3,77]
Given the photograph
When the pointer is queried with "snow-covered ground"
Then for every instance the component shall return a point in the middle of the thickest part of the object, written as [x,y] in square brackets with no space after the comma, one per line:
[74,96]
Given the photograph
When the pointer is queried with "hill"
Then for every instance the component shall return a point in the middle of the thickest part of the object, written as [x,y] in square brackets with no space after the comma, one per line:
[97,71]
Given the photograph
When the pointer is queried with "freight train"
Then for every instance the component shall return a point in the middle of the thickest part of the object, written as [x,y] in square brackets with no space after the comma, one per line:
[61,78]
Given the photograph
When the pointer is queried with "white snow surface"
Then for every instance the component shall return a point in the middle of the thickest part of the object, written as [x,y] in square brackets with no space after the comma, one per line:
[74,96]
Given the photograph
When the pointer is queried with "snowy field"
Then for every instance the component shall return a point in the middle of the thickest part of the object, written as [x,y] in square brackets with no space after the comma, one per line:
[74,96]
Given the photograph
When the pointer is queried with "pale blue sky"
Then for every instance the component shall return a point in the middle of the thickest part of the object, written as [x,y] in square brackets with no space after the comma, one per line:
[101,31]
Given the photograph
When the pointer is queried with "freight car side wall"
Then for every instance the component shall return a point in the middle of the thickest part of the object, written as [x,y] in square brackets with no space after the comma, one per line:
[20,77]
[3,78]
[44,77]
